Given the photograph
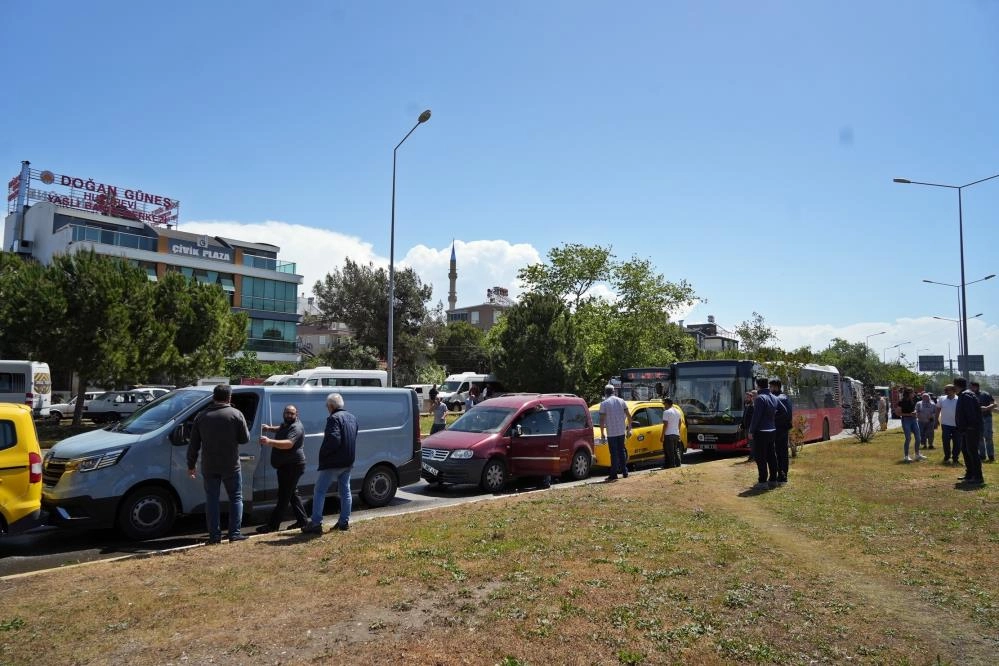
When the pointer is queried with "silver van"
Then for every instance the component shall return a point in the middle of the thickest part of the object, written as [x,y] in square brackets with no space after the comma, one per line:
[133,474]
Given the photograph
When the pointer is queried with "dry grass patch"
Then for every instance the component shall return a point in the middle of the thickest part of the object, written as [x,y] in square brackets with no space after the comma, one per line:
[857,560]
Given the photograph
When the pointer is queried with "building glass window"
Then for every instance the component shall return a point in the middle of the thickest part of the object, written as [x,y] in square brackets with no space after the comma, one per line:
[269,295]
[475,316]
[269,335]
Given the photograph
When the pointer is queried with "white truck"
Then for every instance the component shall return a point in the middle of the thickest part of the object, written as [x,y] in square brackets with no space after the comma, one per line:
[27,383]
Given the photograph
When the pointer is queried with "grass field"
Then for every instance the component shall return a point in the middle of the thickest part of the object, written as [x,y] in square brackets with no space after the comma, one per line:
[859,559]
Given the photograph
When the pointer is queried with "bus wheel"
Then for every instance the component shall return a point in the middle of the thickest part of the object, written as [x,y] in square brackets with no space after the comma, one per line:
[825,431]
[148,512]
[493,476]
[379,487]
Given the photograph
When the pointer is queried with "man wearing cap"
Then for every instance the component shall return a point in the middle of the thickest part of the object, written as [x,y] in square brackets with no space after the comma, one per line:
[615,426]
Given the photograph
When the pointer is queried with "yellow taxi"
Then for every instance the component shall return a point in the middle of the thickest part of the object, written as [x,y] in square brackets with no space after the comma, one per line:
[645,443]
[20,469]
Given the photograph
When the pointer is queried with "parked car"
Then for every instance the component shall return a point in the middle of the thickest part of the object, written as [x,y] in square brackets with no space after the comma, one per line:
[20,469]
[645,443]
[116,405]
[65,410]
[511,436]
[134,475]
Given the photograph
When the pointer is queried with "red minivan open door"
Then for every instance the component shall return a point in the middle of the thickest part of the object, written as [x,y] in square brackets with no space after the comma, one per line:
[534,443]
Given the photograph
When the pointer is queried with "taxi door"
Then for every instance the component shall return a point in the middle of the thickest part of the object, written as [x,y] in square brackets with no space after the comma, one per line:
[534,443]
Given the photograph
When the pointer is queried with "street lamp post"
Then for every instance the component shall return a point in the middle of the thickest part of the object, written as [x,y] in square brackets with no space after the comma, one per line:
[867,342]
[424,117]
[898,359]
[884,354]
[960,340]
[960,230]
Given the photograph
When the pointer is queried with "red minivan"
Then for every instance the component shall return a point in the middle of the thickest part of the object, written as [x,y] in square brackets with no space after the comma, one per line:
[512,436]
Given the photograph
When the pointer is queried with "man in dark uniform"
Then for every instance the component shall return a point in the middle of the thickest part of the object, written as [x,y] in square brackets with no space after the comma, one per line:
[288,458]
[969,428]
[782,420]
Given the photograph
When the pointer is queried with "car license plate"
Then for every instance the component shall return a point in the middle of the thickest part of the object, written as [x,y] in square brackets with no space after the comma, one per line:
[432,471]
[708,447]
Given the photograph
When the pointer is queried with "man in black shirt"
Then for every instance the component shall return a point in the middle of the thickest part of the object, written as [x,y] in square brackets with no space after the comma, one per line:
[969,427]
[288,458]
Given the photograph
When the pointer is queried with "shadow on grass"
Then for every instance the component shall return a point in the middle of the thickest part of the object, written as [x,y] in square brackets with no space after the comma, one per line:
[753,492]
[969,487]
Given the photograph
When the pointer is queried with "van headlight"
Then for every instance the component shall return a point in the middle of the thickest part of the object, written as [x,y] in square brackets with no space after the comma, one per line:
[91,463]
[461,454]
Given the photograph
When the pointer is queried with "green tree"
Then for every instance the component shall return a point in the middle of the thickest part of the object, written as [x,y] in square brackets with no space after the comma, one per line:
[349,353]
[30,304]
[535,340]
[357,296]
[460,347]
[573,270]
[755,335]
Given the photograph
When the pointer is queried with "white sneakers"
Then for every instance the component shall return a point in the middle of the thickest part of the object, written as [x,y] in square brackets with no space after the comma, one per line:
[920,456]
[907,459]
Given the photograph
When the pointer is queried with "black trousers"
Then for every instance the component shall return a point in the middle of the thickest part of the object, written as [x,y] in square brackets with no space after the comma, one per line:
[766,457]
[972,461]
[671,451]
[781,449]
[287,477]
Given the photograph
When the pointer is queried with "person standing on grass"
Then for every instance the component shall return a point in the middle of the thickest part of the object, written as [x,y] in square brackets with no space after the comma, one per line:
[883,413]
[764,431]
[969,425]
[336,459]
[670,437]
[946,411]
[910,425]
[288,458]
[747,419]
[926,415]
[433,393]
[782,419]
[219,430]
[473,398]
[986,449]
[440,412]
[615,427]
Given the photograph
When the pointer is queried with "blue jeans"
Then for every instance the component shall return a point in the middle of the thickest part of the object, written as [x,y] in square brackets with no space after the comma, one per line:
[213,489]
[618,455]
[987,448]
[910,426]
[323,483]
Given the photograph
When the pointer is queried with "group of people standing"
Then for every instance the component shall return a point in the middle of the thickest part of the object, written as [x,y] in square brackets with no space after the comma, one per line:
[767,420]
[964,415]
[216,436]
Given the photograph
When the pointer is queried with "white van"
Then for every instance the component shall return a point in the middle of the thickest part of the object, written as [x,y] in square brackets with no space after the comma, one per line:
[277,380]
[27,383]
[327,376]
[454,391]
[134,475]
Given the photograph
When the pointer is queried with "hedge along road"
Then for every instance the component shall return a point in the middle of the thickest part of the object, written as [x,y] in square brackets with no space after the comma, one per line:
[50,547]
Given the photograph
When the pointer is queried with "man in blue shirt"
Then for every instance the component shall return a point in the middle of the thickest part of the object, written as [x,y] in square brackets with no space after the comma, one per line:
[764,431]
[969,426]
[336,458]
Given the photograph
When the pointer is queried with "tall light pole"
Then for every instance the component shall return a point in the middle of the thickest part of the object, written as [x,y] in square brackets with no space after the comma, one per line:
[960,340]
[960,233]
[884,354]
[898,359]
[867,342]
[424,117]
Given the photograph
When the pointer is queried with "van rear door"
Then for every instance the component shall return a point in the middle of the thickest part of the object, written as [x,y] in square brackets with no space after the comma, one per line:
[534,451]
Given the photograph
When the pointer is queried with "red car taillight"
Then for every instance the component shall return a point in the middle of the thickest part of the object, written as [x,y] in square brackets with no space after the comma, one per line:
[29,399]
[35,465]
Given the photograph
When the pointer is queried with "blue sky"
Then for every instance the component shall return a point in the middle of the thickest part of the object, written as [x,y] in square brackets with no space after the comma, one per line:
[748,148]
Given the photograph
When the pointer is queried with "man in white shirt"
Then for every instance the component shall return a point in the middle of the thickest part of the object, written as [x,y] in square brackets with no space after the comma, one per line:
[671,434]
[615,426]
[946,416]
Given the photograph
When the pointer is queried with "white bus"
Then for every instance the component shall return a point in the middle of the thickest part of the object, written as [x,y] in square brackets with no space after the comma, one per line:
[327,376]
[28,383]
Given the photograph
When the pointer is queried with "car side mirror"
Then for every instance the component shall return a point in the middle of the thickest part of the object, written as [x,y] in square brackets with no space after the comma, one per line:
[635,424]
[180,435]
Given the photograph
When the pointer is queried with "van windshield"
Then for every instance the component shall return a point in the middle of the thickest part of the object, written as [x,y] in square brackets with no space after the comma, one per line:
[159,412]
[450,387]
[295,381]
[481,419]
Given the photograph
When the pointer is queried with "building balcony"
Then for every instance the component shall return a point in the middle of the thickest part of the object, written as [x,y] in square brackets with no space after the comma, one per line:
[116,238]
[269,264]
[270,345]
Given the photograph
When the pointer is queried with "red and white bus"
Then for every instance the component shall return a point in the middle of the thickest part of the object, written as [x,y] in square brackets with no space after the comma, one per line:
[712,394]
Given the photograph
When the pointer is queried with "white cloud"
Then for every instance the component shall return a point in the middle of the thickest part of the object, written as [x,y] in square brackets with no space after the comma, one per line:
[922,336]
[481,264]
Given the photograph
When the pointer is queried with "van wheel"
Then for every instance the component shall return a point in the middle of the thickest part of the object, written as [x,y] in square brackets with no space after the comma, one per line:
[148,512]
[581,462]
[493,476]
[379,487]
[55,417]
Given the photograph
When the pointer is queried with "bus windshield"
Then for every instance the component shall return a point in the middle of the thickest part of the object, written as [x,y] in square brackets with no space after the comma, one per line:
[710,392]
